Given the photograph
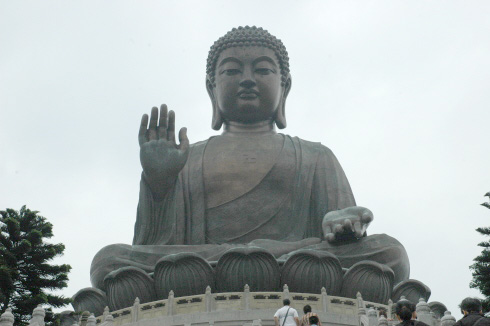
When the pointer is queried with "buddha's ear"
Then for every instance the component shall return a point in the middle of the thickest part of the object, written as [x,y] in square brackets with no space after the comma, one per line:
[217,121]
[281,110]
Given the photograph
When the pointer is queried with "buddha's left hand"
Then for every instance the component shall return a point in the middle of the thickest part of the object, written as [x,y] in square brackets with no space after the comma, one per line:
[346,224]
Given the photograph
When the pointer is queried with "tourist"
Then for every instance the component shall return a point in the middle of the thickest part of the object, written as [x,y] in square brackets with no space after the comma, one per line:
[305,321]
[314,321]
[405,313]
[382,312]
[286,316]
[472,310]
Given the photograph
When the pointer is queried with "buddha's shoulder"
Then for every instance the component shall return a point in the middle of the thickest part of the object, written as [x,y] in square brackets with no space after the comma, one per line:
[314,147]
[198,145]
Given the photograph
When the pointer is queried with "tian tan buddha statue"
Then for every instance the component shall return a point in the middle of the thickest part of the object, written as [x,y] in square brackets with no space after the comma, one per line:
[250,206]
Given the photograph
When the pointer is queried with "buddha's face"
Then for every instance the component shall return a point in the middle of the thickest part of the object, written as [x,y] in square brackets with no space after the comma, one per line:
[248,84]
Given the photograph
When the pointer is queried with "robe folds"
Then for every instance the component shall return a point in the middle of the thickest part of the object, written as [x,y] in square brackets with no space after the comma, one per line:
[316,182]
[263,216]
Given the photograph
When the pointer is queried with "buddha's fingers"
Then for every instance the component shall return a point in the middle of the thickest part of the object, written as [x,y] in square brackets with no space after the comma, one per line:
[171,126]
[338,228]
[326,229]
[143,128]
[367,217]
[162,124]
[183,140]
[152,129]
[348,225]
[330,237]
[358,229]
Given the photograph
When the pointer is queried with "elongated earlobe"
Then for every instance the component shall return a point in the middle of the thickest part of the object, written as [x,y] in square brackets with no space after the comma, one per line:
[281,110]
[217,121]
[281,115]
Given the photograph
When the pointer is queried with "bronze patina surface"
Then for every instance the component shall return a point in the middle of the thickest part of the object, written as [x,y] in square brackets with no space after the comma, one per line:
[250,193]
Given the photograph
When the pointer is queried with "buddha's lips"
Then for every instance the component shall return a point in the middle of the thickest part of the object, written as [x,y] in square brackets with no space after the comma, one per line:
[248,94]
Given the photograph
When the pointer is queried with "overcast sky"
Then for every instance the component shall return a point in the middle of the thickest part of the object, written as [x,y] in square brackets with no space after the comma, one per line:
[399,90]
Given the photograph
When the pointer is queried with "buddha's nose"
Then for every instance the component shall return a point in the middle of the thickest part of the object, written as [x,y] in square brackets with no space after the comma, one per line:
[248,79]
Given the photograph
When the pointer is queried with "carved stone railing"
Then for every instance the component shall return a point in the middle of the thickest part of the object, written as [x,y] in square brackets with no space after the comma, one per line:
[358,311]
[246,300]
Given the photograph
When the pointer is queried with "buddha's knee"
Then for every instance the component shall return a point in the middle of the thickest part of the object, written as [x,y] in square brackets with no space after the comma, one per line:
[121,287]
[397,260]
[108,259]
[388,251]
[380,248]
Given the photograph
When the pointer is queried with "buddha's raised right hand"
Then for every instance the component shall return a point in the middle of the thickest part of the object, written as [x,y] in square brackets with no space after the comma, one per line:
[161,158]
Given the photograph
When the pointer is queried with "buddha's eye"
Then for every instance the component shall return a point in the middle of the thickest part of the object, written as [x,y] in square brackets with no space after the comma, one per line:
[231,72]
[264,71]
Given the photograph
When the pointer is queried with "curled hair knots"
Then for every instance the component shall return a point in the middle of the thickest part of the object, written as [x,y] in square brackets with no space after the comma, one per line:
[248,36]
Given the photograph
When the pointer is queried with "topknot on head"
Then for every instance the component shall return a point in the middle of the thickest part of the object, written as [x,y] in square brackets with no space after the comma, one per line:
[248,36]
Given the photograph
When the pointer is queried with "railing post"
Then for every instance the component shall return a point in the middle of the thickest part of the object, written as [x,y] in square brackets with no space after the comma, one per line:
[390,309]
[170,301]
[382,321]
[373,317]
[7,318]
[105,314]
[325,300]
[423,312]
[447,319]
[208,299]
[91,321]
[246,297]
[135,310]
[84,318]
[361,312]
[109,320]
[360,301]
[285,292]
[38,316]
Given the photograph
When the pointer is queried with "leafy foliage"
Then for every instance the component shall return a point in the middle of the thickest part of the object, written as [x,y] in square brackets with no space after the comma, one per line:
[481,267]
[26,276]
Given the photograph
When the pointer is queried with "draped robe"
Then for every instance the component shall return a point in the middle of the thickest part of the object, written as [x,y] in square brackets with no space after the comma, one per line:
[316,183]
[281,213]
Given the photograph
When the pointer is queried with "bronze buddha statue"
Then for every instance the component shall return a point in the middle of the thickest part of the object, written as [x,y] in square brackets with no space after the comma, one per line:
[250,197]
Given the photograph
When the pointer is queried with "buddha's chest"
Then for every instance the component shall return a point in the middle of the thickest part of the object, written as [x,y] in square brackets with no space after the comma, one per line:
[232,166]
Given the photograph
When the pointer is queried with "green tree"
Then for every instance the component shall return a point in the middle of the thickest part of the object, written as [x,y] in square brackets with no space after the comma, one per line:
[26,275]
[481,267]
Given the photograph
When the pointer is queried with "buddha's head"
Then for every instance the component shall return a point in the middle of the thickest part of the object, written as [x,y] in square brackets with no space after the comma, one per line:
[248,78]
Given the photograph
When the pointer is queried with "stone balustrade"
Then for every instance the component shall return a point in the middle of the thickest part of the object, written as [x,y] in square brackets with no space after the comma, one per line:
[243,308]
[236,301]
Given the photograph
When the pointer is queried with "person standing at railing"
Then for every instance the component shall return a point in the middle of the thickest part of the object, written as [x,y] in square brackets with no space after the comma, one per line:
[406,314]
[314,321]
[305,320]
[286,316]
[471,308]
